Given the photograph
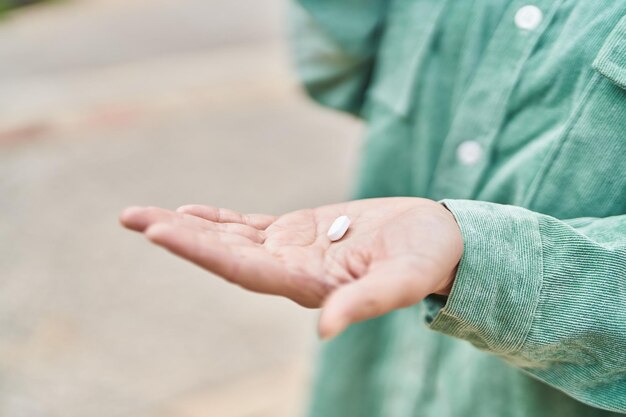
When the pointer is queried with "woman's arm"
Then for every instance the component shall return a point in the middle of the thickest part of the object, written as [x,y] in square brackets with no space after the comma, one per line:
[547,295]
[334,45]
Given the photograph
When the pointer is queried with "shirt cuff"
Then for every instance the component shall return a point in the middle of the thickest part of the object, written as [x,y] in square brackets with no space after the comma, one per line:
[498,282]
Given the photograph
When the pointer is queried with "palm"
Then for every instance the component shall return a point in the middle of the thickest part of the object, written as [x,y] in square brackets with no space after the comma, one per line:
[392,243]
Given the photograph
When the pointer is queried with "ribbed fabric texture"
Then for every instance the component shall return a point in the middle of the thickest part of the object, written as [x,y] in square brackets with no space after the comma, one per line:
[610,61]
[496,291]
[546,296]
[535,325]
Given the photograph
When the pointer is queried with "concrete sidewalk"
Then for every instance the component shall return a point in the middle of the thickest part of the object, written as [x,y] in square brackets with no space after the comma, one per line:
[94,321]
[66,62]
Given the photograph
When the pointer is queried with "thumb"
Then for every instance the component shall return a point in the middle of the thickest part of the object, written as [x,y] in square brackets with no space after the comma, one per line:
[386,287]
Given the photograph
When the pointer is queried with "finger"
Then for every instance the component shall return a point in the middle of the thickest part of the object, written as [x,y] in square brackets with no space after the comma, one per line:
[248,266]
[140,218]
[221,215]
[384,288]
[133,218]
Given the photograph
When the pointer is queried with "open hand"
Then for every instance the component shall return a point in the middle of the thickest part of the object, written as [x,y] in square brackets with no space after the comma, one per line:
[396,252]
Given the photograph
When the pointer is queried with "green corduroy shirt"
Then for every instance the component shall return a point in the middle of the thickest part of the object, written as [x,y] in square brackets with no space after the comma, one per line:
[513,114]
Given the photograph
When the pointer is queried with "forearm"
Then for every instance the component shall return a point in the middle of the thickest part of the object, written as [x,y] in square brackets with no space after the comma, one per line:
[547,295]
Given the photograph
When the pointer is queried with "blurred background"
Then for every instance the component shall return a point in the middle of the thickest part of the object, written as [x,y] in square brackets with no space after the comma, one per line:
[109,103]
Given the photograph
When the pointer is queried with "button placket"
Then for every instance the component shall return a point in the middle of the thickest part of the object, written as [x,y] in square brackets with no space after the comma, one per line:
[467,149]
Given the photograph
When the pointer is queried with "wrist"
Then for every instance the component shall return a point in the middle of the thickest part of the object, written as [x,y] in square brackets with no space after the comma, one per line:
[457,242]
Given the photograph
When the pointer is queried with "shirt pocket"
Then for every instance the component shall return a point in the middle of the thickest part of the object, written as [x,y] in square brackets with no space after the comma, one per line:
[585,173]
[611,60]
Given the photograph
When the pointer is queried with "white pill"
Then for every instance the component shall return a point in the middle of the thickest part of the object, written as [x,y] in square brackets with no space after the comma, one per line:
[338,228]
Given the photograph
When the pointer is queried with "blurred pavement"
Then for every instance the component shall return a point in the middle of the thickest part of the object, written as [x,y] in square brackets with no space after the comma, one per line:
[108,103]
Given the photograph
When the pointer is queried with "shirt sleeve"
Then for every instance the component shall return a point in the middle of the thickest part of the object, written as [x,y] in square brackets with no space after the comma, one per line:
[334,44]
[547,295]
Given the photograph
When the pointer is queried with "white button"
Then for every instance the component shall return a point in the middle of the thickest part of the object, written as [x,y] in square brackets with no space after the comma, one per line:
[528,17]
[469,152]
